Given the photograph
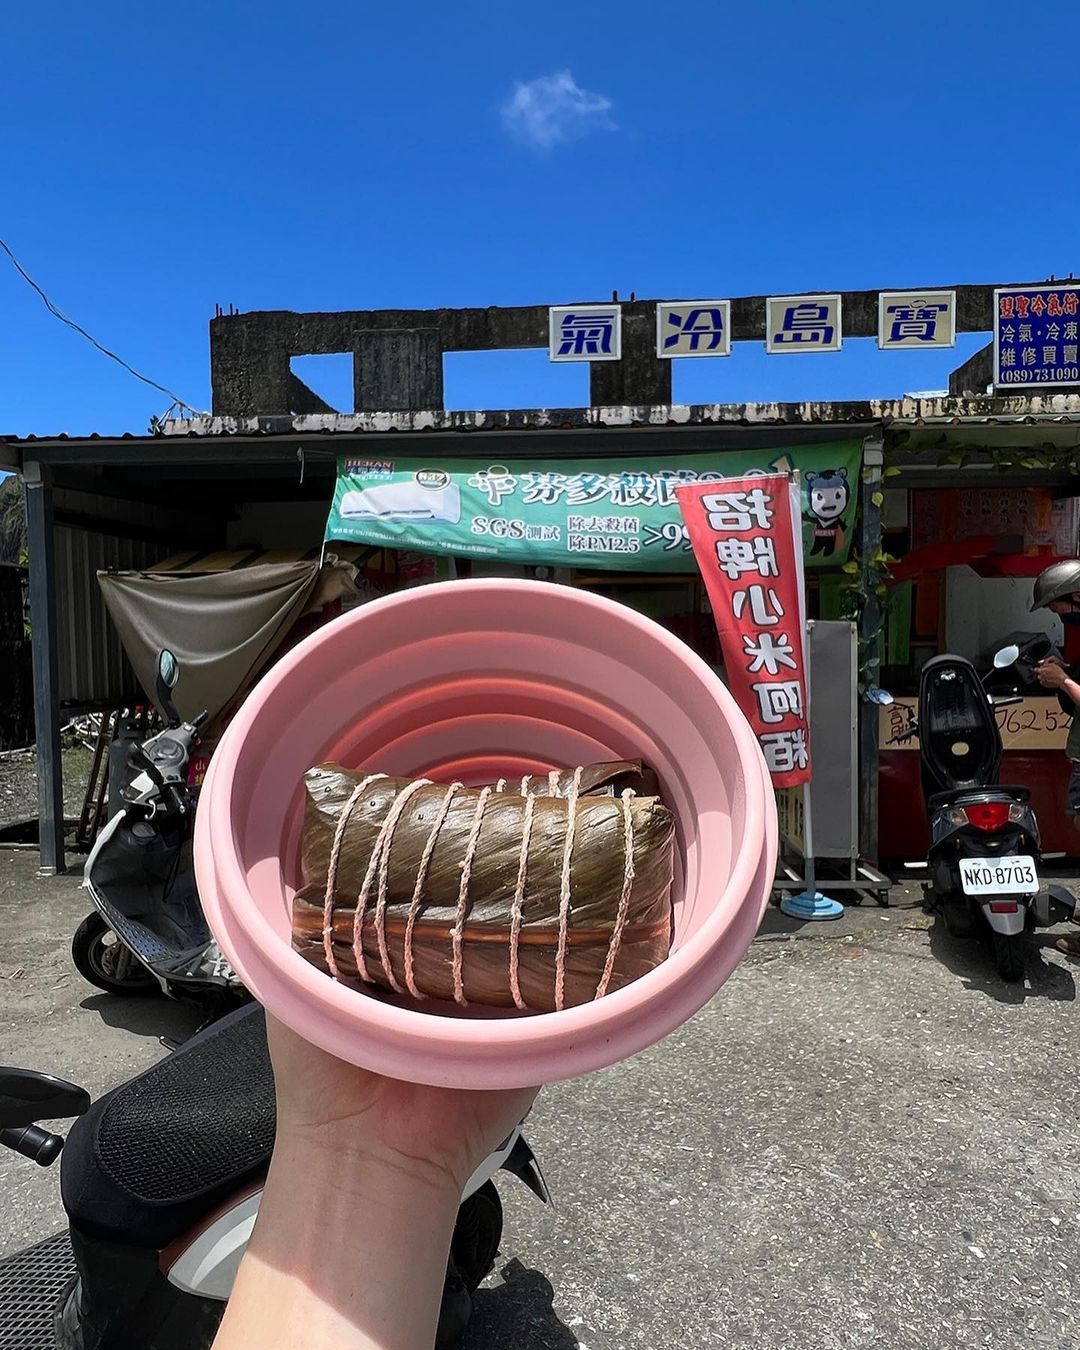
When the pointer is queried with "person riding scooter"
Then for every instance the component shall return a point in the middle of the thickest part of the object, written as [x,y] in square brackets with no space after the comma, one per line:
[1058,590]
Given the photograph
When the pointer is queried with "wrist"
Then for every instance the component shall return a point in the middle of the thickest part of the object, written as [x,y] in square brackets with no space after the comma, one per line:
[337,1157]
[346,1252]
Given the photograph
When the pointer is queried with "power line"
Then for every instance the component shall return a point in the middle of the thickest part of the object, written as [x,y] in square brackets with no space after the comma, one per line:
[59,314]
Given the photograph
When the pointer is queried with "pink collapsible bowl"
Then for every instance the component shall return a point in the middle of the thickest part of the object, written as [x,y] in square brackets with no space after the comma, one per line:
[476,680]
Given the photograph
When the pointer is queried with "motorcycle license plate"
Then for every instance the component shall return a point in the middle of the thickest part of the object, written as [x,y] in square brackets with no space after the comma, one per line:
[999,876]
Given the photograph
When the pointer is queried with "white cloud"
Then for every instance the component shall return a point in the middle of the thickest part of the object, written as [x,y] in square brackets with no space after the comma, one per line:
[553,109]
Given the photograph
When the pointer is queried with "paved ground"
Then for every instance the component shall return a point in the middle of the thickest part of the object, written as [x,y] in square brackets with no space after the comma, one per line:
[865,1141]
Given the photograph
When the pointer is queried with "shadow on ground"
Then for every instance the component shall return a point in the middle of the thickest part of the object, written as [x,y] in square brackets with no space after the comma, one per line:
[518,1314]
[972,960]
[857,916]
[154,1016]
[775,922]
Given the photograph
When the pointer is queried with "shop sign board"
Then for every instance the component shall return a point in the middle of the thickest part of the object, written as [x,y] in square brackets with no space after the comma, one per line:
[616,514]
[803,323]
[916,320]
[744,533]
[1037,336]
[693,328]
[1033,724]
[1044,525]
[585,332]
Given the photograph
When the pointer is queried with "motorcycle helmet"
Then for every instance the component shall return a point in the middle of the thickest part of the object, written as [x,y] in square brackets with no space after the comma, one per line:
[1060,581]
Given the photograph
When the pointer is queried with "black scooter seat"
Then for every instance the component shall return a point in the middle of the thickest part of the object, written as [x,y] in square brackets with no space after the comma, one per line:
[962,796]
[152,1158]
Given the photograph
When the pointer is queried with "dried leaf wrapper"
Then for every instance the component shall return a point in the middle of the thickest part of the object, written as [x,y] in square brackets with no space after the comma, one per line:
[537,894]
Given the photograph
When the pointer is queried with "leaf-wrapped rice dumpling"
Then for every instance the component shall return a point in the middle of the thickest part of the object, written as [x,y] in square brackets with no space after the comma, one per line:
[538,894]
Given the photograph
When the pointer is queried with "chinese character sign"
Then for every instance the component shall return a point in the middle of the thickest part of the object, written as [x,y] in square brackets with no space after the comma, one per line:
[1035,336]
[745,536]
[916,319]
[585,333]
[693,328]
[620,514]
[803,323]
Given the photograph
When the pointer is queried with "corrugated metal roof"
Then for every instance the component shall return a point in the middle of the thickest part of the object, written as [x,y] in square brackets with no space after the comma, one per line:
[89,438]
[906,410]
[808,413]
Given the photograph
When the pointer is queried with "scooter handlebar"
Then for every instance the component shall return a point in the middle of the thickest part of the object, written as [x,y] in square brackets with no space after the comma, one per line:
[138,757]
[1007,702]
[34,1143]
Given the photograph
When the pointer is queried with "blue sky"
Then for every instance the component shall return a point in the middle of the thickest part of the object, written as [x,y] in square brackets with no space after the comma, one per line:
[353,155]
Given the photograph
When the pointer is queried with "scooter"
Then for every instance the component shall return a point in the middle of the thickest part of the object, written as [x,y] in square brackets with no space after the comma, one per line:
[983,857]
[147,930]
[161,1180]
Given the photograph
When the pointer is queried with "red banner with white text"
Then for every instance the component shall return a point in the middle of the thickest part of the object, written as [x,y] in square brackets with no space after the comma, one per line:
[745,537]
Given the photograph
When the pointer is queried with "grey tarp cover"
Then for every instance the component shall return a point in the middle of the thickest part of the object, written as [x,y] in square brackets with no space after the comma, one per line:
[222,627]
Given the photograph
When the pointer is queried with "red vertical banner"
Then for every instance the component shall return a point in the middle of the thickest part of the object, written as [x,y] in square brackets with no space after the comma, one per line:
[745,533]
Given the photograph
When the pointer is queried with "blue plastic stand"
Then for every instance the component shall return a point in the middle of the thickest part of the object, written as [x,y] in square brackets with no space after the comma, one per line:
[811,905]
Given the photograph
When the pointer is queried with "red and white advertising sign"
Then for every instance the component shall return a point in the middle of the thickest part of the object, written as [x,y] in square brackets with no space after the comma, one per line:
[746,536]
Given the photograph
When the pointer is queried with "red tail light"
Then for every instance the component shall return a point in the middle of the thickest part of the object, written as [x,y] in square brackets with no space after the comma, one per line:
[1003,907]
[988,815]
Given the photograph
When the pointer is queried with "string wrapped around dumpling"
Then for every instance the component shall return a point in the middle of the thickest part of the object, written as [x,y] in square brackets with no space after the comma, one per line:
[538,894]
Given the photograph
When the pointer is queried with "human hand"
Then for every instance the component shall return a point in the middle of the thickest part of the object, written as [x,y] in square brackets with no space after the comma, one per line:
[438,1136]
[1051,674]
[356,1217]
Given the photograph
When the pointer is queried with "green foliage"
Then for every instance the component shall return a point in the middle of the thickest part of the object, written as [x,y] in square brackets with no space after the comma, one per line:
[867,588]
[12,521]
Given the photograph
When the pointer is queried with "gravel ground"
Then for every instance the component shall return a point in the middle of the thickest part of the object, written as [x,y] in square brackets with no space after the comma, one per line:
[866,1140]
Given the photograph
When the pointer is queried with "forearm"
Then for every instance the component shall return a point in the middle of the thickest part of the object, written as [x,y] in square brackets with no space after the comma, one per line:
[347,1254]
[1071,690]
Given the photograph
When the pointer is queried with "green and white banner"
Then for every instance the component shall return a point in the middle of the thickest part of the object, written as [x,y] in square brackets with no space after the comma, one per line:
[591,513]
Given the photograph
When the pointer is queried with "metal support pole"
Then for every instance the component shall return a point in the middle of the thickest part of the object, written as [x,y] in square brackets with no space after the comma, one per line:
[809,903]
[810,858]
[870,647]
[50,774]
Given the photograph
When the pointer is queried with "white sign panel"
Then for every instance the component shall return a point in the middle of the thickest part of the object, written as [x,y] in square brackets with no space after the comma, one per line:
[693,328]
[802,323]
[916,319]
[585,333]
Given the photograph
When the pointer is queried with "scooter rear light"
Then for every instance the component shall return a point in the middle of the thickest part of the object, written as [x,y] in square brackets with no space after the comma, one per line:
[1018,812]
[988,815]
[1003,907]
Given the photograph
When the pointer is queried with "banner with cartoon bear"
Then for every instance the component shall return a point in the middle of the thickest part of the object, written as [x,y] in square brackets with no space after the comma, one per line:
[613,513]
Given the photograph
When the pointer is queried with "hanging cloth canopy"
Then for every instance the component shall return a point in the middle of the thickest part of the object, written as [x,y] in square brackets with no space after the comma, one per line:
[223,626]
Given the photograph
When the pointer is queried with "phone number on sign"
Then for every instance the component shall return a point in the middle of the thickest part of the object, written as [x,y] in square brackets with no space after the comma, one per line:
[1057,375]
[1015,721]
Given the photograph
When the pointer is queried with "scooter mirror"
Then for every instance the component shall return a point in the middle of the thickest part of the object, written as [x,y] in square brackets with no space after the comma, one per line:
[168,675]
[168,668]
[881,697]
[1008,656]
[27,1097]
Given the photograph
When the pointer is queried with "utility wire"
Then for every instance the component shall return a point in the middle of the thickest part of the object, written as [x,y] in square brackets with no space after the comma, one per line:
[177,402]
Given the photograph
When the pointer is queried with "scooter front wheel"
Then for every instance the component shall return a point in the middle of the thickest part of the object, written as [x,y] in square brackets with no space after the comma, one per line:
[102,958]
[1009,956]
